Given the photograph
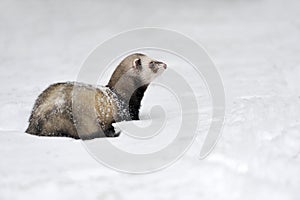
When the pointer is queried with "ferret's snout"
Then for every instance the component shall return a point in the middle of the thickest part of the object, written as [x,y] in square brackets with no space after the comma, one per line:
[157,64]
[164,65]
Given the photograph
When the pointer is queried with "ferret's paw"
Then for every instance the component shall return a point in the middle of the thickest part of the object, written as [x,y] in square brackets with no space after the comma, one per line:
[117,134]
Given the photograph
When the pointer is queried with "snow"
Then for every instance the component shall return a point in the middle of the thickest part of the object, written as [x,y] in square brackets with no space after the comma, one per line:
[255,45]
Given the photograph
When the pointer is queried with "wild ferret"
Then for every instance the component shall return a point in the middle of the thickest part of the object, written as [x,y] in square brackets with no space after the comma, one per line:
[97,107]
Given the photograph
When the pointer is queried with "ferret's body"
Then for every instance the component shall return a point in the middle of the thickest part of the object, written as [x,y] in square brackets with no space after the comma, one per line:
[97,108]
[83,111]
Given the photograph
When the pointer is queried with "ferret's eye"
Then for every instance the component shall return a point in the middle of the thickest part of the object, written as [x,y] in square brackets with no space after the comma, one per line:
[152,64]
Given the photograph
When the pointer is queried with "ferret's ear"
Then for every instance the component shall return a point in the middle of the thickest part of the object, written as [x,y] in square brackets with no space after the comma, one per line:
[137,63]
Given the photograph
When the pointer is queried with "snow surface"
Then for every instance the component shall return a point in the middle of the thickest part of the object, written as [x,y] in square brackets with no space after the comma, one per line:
[255,45]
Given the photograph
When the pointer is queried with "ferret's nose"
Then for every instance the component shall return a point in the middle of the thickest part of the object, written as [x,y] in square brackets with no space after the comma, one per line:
[165,66]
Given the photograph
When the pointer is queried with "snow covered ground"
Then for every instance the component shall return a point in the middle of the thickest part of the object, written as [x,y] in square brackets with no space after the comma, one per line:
[255,45]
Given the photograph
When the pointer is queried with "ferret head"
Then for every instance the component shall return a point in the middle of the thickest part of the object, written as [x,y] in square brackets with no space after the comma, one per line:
[138,68]
[143,68]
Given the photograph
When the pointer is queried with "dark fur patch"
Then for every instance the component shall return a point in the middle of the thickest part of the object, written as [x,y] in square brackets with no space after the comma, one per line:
[135,102]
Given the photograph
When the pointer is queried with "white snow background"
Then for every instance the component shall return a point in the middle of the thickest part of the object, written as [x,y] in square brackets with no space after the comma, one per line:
[254,44]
